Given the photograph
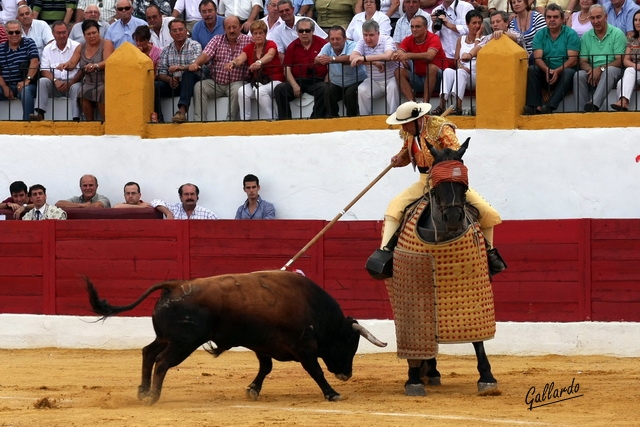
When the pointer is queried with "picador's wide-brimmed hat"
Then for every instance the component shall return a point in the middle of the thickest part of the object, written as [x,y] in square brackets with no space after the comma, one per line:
[408,112]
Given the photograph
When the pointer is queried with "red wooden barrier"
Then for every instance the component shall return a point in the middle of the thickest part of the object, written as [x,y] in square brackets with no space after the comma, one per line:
[564,270]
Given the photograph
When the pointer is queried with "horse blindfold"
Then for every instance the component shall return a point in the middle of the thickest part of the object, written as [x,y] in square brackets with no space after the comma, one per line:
[449,171]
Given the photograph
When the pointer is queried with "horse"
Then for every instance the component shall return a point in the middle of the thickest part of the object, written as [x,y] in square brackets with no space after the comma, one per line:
[441,216]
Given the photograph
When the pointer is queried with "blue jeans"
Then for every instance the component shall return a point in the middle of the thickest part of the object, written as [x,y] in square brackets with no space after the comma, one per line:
[27,95]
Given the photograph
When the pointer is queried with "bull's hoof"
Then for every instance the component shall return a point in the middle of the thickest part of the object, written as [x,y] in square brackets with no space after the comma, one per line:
[414,390]
[434,381]
[252,393]
[333,397]
[488,389]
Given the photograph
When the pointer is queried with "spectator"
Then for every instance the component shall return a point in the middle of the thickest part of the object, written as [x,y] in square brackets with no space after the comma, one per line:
[190,9]
[265,71]
[122,30]
[499,26]
[566,7]
[449,24]
[9,10]
[380,79]
[392,9]
[403,26]
[92,12]
[254,207]
[41,210]
[428,5]
[246,11]
[174,77]
[620,14]
[302,73]
[286,34]
[107,10]
[371,11]
[272,17]
[159,26]
[580,20]
[51,11]
[601,50]
[527,22]
[142,36]
[3,34]
[35,29]
[140,8]
[187,208]
[89,198]
[54,82]
[303,8]
[555,50]
[15,81]
[91,56]
[210,25]
[336,12]
[132,196]
[224,81]
[422,60]
[19,200]
[456,80]
[631,61]
[343,79]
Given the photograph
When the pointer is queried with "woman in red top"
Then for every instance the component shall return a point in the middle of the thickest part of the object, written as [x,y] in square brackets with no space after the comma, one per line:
[265,71]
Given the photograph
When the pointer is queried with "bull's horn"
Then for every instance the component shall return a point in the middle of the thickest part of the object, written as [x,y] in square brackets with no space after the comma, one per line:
[368,335]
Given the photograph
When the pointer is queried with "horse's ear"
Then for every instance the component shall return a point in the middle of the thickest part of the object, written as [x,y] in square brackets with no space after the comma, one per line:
[432,149]
[463,147]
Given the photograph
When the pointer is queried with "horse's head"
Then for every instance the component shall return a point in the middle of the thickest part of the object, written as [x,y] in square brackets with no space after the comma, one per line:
[450,183]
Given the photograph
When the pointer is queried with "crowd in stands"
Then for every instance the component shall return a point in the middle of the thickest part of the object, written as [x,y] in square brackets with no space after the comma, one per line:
[31,203]
[354,51]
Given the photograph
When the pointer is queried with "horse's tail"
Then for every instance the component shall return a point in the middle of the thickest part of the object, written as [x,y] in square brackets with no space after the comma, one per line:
[104,309]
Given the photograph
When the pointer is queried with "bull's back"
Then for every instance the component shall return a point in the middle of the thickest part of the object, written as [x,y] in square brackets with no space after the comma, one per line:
[272,296]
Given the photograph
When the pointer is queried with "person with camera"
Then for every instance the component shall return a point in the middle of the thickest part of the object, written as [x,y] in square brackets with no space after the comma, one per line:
[449,23]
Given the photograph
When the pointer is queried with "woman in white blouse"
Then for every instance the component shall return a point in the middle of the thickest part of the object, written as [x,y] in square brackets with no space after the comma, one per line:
[371,11]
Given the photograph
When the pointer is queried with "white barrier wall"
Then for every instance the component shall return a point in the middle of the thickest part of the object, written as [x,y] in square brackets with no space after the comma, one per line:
[512,338]
[576,173]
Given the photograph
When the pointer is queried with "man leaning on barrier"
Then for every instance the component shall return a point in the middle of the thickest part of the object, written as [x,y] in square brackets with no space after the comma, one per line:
[54,82]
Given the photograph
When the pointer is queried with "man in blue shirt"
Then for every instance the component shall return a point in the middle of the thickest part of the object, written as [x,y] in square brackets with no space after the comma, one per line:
[210,25]
[343,79]
[122,30]
[16,77]
[620,14]
[254,207]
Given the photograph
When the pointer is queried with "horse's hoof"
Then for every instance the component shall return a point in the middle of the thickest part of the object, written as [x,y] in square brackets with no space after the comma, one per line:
[252,393]
[434,381]
[333,397]
[488,389]
[414,390]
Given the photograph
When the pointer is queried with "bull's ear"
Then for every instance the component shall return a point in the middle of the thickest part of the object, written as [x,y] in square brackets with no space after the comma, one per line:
[463,147]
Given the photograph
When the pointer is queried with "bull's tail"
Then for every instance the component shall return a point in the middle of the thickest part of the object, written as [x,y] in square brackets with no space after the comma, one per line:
[104,309]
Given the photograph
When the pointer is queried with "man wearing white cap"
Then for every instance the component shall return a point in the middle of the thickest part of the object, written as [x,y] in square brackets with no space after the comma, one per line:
[417,129]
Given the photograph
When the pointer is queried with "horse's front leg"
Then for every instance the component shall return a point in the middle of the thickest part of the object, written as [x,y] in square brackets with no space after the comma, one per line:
[487,384]
[414,385]
[429,371]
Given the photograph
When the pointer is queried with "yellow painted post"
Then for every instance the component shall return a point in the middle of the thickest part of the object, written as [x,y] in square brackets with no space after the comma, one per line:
[502,84]
[128,91]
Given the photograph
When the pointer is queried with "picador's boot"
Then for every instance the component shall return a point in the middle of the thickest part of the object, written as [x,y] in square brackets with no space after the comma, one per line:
[380,263]
[496,263]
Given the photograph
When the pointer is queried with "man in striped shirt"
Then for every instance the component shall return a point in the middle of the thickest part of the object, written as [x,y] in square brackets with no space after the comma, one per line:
[19,62]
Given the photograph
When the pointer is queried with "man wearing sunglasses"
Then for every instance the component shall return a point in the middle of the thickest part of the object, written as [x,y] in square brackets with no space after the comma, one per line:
[302,73]
[286,34]
[15,82]
[122,30]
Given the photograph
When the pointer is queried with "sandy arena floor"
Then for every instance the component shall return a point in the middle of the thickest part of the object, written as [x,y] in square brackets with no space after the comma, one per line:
[61,387]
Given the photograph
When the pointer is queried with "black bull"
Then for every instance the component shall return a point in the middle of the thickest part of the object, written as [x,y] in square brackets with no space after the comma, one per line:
[277,314]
